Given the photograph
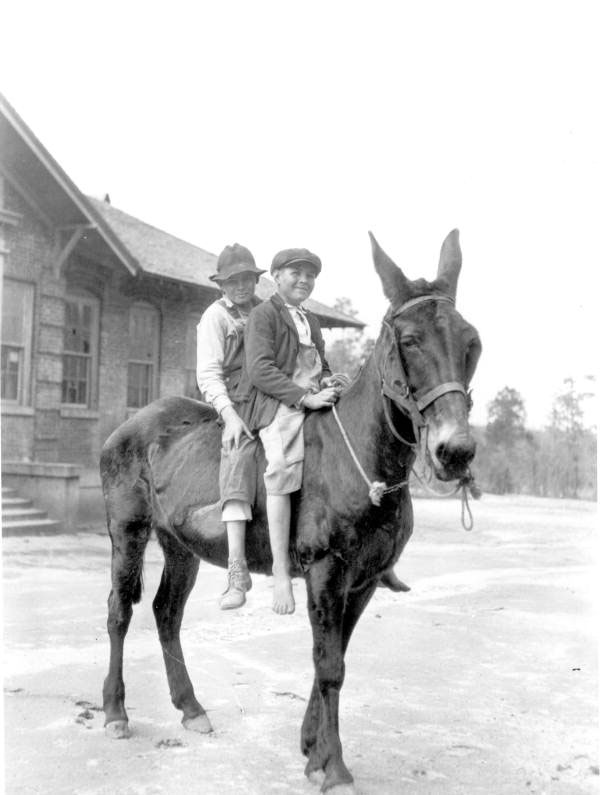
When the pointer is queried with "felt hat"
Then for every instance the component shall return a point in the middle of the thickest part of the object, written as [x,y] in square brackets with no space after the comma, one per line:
[234,260]
[295,256]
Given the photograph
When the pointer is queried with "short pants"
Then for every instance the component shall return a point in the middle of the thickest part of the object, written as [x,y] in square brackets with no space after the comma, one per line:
[238,474]
[283,441]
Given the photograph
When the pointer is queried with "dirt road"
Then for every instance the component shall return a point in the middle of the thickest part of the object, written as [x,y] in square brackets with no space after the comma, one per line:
[483,679]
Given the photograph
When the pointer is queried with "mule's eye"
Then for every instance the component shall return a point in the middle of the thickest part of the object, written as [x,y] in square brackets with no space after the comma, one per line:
[408,341]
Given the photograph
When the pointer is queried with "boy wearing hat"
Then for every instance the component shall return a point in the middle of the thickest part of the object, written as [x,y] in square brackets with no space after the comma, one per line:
[220,342]
[285,373]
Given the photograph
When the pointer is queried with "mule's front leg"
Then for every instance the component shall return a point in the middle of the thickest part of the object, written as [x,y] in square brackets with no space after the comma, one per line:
[326,590]
[356,601]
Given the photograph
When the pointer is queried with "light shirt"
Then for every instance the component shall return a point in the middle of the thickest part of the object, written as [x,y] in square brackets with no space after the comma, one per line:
[217,339]
[299,317]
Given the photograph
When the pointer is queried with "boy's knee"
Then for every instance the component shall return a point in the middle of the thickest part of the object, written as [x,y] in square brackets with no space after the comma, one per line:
[236,511]
[285,480]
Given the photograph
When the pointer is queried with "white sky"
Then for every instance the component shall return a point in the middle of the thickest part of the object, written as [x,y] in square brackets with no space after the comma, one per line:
[280,124]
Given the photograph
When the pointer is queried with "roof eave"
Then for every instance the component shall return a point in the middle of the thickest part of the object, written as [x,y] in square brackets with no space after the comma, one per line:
[67,185]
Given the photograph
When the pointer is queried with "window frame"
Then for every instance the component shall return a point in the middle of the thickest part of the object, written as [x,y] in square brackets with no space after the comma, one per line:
[25,345]
[83,297]
[154,363]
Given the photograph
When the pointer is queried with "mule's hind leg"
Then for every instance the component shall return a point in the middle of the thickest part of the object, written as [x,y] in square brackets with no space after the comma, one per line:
[128,539]
[178,578]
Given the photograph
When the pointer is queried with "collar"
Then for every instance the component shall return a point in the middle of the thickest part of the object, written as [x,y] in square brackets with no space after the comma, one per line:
[254,301]
[281,304]
[300,309]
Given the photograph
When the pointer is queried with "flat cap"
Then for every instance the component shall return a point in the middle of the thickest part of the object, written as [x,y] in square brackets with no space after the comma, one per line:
[295,256]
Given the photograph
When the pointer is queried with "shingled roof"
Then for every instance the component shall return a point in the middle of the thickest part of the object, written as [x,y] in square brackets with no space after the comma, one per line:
[160,254]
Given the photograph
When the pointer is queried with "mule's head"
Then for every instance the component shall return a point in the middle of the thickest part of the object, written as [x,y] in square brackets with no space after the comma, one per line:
[429,347]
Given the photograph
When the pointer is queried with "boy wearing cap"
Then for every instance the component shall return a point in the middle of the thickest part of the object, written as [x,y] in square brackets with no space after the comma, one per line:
[220,342]
[285,373]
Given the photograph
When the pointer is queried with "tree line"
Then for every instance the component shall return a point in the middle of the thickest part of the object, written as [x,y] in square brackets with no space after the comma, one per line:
[559,460]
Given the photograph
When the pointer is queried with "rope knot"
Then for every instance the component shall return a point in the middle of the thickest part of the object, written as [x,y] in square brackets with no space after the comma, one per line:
[376,491]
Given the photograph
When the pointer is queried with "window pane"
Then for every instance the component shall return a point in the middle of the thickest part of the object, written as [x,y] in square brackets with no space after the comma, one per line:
[17,327]
[76,379]
[78,326]
[17,298]
[139,385]
[143,333]
[11,367]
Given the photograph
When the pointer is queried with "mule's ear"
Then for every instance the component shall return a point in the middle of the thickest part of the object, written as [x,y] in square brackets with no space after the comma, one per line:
[450,262]
[395,283]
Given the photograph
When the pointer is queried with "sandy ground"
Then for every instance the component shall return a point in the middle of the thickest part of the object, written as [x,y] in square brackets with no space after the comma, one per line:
[482,680]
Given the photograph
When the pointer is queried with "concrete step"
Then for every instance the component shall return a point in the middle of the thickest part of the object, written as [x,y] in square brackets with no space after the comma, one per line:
[7,491]
[16,502]
[31,527]
[17,514]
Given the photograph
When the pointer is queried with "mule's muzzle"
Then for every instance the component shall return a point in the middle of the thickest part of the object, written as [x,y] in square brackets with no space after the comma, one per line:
[454,456]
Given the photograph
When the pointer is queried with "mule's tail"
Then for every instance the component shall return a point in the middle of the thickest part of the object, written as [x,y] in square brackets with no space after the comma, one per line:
[129,514]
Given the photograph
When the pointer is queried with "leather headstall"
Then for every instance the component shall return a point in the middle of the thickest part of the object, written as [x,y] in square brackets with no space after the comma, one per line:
[400,392]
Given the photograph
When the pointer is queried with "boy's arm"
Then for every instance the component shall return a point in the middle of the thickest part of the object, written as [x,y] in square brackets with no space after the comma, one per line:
[259,345]
[210,356]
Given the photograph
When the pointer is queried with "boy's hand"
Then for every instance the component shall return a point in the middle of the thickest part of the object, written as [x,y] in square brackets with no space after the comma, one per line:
[234,429]
[323,399]
[340,380]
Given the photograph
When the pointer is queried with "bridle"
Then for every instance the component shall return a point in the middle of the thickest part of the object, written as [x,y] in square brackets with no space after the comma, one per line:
[411,405]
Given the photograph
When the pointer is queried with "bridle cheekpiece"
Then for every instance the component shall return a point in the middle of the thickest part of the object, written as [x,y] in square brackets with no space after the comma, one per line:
[412,405]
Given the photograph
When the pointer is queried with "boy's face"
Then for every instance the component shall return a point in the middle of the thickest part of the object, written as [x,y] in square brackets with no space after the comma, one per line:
[240,288]
[295,282]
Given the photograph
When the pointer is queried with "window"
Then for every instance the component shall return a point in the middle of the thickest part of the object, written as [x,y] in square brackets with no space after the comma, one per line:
[191,384]
[142,371]
[17,327]
[80,349]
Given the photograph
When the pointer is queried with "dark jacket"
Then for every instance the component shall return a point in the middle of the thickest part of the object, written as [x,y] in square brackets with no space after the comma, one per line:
[271,346]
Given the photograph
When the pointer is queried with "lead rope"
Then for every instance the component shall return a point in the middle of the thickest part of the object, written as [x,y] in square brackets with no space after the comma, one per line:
[465,485]
[377,488]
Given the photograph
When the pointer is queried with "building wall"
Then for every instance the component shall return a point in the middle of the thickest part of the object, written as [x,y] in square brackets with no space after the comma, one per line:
[29,246]
[44,430]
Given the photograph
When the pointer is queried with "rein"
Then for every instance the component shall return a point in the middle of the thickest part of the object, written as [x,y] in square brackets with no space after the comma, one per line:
[412,408]
[377,488]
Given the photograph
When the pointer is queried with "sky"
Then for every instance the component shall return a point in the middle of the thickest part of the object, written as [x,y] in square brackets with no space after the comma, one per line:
[280,124]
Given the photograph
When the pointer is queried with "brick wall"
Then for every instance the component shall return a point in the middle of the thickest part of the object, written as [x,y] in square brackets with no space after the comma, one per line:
[30,252]
[46,430]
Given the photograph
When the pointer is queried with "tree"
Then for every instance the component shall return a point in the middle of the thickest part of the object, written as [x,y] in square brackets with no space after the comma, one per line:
[505,460]
[506,417]
[347,351]
[557,461]
[569,464]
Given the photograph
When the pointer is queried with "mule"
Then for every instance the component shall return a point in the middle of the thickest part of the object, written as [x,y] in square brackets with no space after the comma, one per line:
[350,521]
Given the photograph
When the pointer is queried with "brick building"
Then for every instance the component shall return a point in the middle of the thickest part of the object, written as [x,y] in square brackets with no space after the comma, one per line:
[99,312]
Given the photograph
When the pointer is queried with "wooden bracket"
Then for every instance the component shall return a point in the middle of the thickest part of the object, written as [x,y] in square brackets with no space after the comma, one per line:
[62,251]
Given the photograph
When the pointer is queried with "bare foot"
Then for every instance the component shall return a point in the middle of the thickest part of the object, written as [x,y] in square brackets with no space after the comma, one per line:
[283,596]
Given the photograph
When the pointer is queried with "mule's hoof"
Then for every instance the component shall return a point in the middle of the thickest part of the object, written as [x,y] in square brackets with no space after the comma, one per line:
[200,724]
[338,780]
[316,777]
[117,730]
[340,789]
